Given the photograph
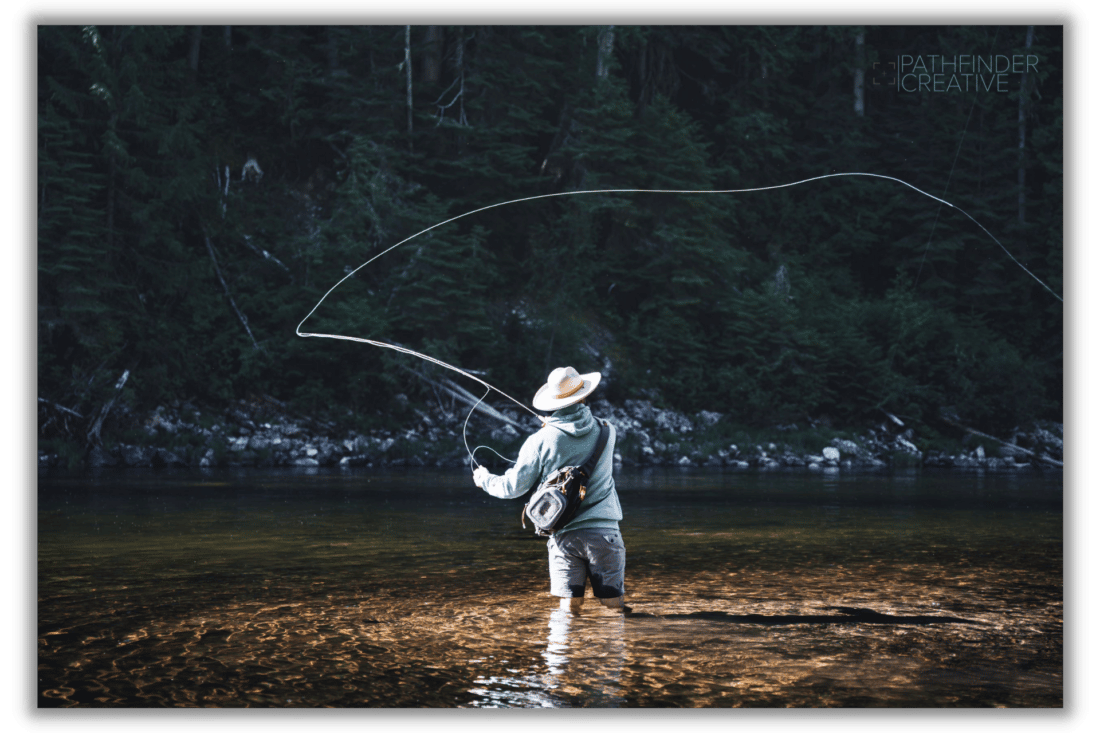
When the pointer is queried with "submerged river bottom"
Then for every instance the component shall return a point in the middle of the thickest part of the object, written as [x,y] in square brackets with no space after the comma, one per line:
[414,589]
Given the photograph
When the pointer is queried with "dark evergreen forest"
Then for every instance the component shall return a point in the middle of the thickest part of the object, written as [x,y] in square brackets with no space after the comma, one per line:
[200,189]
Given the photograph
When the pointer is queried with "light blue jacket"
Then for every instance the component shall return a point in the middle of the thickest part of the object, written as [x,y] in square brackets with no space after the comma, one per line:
[567,439]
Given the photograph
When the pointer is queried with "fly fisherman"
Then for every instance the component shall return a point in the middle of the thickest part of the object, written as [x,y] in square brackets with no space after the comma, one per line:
[589,546]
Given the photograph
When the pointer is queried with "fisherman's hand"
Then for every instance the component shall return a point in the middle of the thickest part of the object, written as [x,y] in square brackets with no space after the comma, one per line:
[481,476]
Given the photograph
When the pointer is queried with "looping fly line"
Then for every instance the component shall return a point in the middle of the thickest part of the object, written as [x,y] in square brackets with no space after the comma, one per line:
[490,387]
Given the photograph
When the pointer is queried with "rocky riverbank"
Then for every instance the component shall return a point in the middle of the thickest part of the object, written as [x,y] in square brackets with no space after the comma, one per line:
[265,433]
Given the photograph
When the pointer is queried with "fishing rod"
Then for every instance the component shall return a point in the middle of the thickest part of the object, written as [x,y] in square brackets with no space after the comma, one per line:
[491,388]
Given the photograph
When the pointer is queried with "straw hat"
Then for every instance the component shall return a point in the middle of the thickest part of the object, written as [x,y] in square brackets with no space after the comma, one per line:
[565,387]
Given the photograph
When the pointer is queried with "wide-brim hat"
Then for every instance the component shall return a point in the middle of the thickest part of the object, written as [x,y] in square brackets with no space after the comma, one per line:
[564,387]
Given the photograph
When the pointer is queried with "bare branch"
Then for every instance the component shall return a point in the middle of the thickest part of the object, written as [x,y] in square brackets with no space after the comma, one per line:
[264,253]
[62,408]
[436,102]
[228,294]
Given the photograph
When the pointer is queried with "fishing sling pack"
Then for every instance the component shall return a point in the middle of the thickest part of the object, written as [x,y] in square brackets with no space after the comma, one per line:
[557,498]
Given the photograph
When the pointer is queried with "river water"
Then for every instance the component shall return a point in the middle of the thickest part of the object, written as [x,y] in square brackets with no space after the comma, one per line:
[307,588]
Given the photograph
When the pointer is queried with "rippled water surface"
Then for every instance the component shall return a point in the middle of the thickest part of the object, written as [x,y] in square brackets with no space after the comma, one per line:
[414,589]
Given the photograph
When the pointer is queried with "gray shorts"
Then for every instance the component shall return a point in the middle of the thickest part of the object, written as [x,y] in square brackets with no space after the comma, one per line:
[593,553]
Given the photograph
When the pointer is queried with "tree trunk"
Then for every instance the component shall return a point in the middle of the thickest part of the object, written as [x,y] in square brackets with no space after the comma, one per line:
[193,54]
[433,54]
[764,84]
[97,424]
[112,162]
[409,82]
[606,47]
[1021,171]
[460,64]
[370,51]
[859,74]
[112,185]
[333,51]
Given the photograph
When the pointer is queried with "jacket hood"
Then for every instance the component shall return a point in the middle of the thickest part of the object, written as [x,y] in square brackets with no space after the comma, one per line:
[575,420]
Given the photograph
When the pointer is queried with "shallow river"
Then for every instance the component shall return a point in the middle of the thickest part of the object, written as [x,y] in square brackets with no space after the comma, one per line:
[414,589]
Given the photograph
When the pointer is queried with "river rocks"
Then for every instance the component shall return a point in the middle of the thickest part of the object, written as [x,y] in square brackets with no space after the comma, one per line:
[906,446]
[265,433]
[848,448]
[641,410]
[165,457]
[504,433]
[136,455]
[259,442]
[98,457]
[157,423]
[672,422]
[708,418]
[241,417]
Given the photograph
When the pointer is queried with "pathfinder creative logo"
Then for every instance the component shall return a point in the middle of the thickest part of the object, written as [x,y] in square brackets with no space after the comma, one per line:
[963,73]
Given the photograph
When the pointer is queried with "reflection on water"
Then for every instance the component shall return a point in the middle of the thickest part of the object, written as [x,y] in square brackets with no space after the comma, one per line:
[415,589]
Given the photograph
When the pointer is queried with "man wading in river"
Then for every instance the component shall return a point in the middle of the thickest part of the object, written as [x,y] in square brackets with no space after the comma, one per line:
[589,546]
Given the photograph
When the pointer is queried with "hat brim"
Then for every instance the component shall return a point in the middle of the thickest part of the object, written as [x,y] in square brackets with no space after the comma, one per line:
[543,400]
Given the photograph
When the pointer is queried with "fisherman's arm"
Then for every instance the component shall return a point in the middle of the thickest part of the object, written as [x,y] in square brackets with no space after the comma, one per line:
[518,479]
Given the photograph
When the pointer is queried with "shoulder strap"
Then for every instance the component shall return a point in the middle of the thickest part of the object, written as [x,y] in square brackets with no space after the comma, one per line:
[590,464]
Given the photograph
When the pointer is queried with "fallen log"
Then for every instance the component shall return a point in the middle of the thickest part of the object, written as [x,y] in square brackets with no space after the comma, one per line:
[459,393]
[1017,448]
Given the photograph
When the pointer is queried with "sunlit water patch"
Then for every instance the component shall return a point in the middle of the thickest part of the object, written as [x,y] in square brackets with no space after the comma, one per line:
[288,589]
